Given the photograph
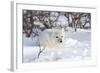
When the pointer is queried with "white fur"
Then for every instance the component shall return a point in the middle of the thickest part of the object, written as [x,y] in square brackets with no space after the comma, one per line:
[52,38]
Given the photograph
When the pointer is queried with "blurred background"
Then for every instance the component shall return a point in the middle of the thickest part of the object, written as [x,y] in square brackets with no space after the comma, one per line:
[35,21]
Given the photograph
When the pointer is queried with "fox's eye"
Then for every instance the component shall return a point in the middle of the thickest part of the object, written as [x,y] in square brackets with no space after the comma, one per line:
[56,36]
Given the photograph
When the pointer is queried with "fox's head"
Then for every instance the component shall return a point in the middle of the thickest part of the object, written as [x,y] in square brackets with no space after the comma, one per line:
[59,35]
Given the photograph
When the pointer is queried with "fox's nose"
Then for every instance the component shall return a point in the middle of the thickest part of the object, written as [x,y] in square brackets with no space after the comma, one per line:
[60,41]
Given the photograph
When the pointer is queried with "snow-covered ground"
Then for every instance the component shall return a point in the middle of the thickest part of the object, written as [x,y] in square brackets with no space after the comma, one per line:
[77,47]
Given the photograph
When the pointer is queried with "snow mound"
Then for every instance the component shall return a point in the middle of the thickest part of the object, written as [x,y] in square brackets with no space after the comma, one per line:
[70,42]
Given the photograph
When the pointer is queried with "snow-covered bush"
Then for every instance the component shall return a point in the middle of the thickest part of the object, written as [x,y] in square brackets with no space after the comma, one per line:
[62,21]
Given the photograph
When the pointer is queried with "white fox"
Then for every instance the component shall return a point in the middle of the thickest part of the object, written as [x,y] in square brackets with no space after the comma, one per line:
[52,38]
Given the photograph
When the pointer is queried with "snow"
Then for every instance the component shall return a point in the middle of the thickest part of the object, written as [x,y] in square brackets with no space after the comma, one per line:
[77,47]
[38,23]
[53,16]
[87,25]
[70,18]
[30,41]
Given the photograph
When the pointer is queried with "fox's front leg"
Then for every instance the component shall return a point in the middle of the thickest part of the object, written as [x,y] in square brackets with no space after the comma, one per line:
[40,51]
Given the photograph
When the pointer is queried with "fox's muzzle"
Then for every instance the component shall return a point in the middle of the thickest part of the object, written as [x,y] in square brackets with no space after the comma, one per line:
[59,40]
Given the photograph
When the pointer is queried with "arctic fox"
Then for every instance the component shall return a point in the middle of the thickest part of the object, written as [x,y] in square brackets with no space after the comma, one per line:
[52,38]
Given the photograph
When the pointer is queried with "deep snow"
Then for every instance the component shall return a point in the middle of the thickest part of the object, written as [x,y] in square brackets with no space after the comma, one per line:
[77,46]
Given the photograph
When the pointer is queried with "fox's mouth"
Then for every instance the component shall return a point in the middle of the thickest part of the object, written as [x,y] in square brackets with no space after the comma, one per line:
[59,41]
